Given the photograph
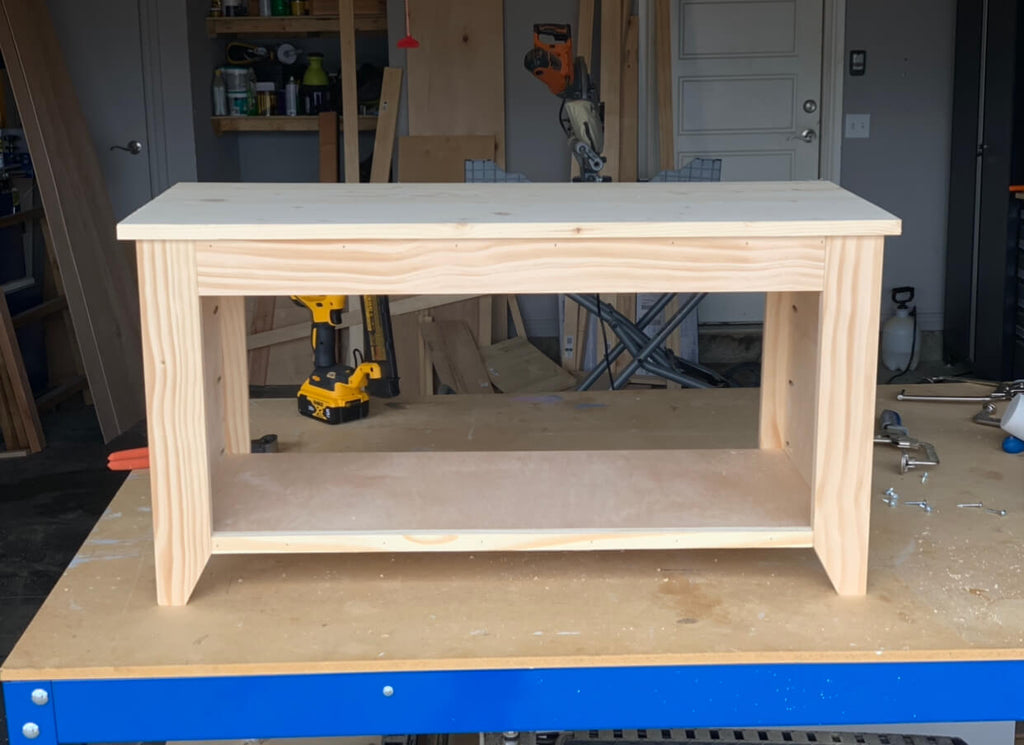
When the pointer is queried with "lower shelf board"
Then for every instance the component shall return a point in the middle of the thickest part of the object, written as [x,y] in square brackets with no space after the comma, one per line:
[509,501]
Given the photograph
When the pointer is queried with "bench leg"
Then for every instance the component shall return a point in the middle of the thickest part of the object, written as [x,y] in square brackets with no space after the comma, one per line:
[818,399]
[848,366]
[194,415]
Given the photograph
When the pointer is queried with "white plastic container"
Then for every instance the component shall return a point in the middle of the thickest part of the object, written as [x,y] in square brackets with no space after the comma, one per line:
[1012,420]
[901,338]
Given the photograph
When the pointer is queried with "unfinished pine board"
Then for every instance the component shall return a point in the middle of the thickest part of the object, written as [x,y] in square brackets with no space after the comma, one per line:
[496,238]
[583,46]
[517,316]
[516,366]
[663,75]
[847,362]
[262,321]
[943,586]
[98,273]
[629,136]
[611,83]
[455,356]
[294,212]
[441,159]
[349,89]
[495,266]
[387,123]
[456,78]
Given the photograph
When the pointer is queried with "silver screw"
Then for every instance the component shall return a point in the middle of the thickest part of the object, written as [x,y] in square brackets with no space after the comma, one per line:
[388,691]
[923,504]
[924,477]
[890,492]
[40,697]
[970,504]
[30,730]
[1001,513]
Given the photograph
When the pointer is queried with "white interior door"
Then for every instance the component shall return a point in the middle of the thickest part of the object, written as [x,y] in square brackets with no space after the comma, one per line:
[748,90]
[102,47]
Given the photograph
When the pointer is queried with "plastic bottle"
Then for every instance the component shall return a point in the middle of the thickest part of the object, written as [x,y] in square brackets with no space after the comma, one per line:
[901,338]
[291,97]
[220,94]
[280,8]
[315,85]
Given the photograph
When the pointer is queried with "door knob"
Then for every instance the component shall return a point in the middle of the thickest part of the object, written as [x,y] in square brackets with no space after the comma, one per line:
[134,147]
[807,135]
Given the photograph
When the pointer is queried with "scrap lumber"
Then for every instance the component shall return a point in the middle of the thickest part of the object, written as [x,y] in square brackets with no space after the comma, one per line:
[262,322]
[583,41]
[663,73]
[98,272]
[517,316]
[457,75]
[455,356]
[516,366]
[630,129]
[349,89]
[387,124]
[441,159]
[17,394]
[352,321]
[611,82]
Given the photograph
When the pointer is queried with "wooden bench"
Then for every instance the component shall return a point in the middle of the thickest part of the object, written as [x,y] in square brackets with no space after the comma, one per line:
[813,247]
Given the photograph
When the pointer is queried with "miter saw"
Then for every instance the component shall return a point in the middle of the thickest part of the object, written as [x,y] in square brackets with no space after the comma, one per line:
[551,60]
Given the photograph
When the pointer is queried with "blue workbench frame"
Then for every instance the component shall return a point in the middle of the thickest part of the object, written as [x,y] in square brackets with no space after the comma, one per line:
[748,696]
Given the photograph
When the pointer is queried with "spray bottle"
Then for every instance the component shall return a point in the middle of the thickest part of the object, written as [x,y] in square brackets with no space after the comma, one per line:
[901,338]
[220,94]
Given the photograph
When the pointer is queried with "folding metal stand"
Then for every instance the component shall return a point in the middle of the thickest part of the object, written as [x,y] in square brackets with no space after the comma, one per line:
[649,353]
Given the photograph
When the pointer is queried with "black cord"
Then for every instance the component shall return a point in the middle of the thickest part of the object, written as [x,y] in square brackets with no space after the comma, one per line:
[604,336]
[913,347]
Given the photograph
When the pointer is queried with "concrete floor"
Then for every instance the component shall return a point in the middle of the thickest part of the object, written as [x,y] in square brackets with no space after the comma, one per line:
[48,504]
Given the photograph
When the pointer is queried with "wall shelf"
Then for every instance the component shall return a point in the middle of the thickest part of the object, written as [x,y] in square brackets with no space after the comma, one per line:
[222,124]
[370,16]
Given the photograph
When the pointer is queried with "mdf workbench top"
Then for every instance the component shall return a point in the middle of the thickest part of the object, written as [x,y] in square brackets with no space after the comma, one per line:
[944,585]
[504,211]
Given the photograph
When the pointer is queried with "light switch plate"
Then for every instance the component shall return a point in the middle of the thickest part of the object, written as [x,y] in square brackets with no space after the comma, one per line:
[858,126]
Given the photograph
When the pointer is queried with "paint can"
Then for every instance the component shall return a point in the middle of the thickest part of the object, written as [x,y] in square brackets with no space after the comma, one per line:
[236,81]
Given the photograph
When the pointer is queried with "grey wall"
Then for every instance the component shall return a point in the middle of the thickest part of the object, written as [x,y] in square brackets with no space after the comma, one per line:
[904,165]
[217,158]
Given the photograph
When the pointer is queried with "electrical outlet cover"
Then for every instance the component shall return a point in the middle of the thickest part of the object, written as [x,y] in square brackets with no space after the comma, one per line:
[858,126]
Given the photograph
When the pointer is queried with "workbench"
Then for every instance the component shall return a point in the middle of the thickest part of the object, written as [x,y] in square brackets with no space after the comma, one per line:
[814,248]
[309,645]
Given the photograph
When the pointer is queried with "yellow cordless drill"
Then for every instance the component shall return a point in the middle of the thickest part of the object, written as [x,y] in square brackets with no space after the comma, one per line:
[333,392]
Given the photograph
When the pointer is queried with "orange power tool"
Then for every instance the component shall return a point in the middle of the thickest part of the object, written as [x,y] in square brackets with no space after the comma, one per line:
[551,58]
